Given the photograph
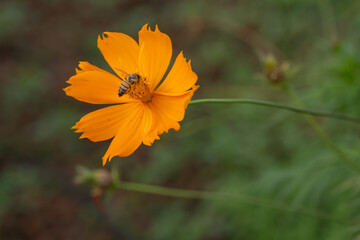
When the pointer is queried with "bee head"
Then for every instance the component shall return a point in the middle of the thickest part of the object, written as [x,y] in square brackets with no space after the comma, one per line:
[134,76]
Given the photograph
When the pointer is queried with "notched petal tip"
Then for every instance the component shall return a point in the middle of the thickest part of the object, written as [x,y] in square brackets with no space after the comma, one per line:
[145,27]
[150,138]
[109,35]
[195,87]
[147,143]
[79,67]
[104,160]
[85,66]
[101,38]
[68,90]
[103,35]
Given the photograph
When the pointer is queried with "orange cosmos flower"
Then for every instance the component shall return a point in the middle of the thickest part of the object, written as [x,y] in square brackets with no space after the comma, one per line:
[145,110]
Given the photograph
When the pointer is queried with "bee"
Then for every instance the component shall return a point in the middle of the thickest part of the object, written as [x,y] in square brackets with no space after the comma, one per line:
[129,80]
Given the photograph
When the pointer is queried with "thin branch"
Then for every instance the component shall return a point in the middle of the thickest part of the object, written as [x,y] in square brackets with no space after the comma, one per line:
[208,195]
[276,105]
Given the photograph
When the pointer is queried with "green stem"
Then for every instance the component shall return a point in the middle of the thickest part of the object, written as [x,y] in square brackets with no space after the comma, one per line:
[317,128]
[276,105]
[208,195]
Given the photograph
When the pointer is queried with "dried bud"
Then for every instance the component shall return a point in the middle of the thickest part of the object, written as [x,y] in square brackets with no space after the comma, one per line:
[273,70]
[99,178]
[103,178]
[276,72]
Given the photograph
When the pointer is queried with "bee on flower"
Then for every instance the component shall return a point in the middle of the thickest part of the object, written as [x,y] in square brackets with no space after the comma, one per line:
[144,108]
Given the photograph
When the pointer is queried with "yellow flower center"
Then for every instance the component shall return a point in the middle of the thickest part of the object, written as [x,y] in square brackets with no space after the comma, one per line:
[140,90]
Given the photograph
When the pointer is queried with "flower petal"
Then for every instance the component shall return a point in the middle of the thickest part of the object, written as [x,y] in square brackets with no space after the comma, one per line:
[166,111]
[180,78]
[97,87]
[155,54]
[129,136]
[86,66]
[120,51]
[104,123]
[147,126]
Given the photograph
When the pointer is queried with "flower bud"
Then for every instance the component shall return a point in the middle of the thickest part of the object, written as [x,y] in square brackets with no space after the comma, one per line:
[275,71]
[99,178]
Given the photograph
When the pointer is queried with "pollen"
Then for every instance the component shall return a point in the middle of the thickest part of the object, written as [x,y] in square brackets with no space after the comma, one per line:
[140,90]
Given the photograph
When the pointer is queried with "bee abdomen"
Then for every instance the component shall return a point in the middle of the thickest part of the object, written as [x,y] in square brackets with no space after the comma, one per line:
[122,91]
[130,79]
[123,88]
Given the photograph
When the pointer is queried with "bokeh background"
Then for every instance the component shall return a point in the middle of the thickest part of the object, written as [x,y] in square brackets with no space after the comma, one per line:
[266,153]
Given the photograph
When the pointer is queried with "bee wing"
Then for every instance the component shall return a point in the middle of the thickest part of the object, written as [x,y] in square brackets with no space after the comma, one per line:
[121,73]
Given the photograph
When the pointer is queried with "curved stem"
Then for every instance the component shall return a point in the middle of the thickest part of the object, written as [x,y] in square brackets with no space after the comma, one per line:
[208,195]
[275,105]
[317,128]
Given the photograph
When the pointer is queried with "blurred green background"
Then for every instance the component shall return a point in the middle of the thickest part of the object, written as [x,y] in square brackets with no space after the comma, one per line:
[266,153]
